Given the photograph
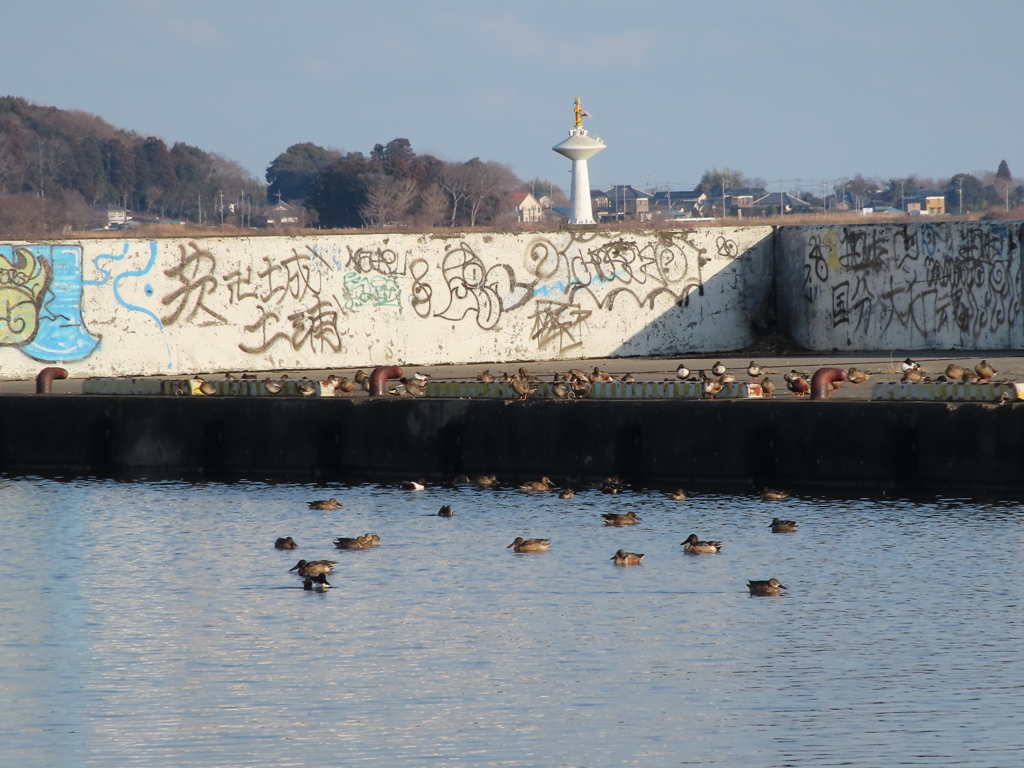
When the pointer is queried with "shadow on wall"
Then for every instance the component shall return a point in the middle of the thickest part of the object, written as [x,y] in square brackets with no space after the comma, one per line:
[721,302]
[945,285]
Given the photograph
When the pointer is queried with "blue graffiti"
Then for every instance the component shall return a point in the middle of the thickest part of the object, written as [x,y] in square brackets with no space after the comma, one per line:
[62,335]
[147,288]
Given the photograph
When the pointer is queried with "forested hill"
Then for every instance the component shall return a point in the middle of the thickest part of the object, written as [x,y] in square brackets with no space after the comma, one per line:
[73,160]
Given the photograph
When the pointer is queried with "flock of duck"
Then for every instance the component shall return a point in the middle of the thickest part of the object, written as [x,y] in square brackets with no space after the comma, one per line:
[576,383]
[314,572]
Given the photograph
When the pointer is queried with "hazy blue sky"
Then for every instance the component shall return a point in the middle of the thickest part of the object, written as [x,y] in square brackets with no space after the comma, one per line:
[780,90]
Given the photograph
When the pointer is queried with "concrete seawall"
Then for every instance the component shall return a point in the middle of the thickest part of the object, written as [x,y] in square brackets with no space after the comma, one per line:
[181,306]
[904,447]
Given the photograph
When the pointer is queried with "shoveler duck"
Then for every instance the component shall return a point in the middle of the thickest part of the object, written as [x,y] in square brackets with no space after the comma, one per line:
[712,388]
[718,369]
[798,385]
[682,372]
[771,494]
[365,541]
[544,484]
[910,365]
[767,387]
[954,371]
[446,511]
[318,583]
[612,485]
[912,376]
[678,495]
[285,543]
[985,371]
[765,588]
[782,526]
[857,376]
[412,485]
[622,557]
[331,503]
[969,377]
[529,545]
[694,547]
[629,518]
[754,370]
[520,387]
[629,378]
[485,376]
[313,567]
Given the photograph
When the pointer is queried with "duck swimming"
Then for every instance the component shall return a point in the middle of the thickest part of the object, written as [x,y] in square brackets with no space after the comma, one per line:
[312,567]
[694,547]
[678,495]
[529,545]
[629,518]
[782,526]
[544,484]
[626,558]
[446,511]
[366,541]
[770,494]
[324,504]
[286,543]
[765,588]
[318,583]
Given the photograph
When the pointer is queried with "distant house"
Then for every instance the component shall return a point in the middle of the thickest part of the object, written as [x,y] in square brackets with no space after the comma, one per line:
[623,202]
[778,203]
[528,208]
[674,204]
[283,215]
[928,202]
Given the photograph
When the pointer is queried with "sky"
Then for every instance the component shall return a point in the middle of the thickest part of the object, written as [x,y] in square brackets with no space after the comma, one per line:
[795,92]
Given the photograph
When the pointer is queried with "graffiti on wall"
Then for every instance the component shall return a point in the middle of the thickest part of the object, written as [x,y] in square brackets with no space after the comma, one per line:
[41,302]
[949,283]
[197,297]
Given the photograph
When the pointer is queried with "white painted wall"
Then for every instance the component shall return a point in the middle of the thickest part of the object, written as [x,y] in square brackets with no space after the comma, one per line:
[942,285]
[182,306]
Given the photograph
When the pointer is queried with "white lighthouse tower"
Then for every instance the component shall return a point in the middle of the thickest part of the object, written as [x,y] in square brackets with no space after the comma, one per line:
[579,148]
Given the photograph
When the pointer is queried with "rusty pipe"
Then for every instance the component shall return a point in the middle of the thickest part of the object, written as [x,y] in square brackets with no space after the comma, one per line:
[44,381]
[822,380]
[379,379]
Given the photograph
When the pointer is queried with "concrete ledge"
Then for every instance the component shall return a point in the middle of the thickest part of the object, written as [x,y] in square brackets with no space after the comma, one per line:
[601,390]
[190,387]
[948,392]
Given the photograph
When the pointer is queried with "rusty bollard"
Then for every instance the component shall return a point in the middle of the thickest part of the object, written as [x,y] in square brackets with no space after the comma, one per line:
[821,381]
[44,381]
[379,379]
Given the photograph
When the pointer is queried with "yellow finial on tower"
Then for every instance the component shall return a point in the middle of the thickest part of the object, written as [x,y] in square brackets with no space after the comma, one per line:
[579,113]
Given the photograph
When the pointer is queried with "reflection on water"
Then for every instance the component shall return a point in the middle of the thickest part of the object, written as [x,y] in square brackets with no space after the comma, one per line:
[154,624]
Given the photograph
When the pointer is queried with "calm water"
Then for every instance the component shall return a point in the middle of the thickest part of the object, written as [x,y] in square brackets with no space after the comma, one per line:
[154,624]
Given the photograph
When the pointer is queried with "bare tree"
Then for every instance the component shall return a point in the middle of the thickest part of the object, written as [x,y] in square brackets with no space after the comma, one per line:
[431,207]
[453,181]
[490,184]
[388,199]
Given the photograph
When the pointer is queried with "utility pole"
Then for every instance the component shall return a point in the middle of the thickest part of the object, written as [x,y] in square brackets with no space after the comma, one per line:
[221,193]
[723,197]
[961,186]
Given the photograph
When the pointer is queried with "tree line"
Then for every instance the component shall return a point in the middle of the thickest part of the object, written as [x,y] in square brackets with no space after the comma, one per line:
[393,186]
[55,164]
